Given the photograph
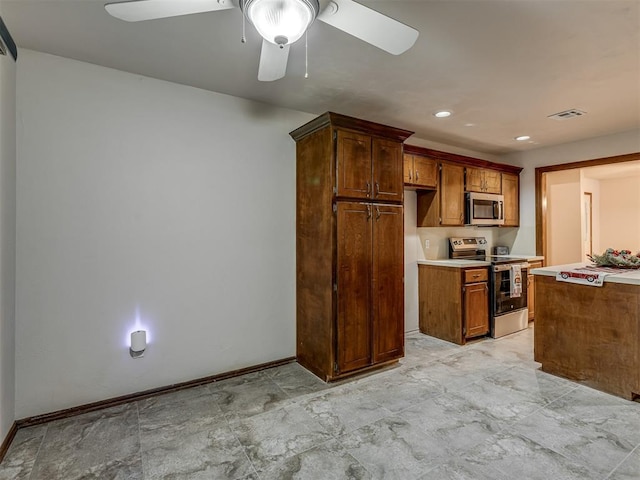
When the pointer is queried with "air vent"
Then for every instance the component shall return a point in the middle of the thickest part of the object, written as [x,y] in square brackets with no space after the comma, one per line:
[574,112]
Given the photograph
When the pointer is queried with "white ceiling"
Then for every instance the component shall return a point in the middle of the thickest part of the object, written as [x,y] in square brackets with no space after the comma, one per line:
[502,66]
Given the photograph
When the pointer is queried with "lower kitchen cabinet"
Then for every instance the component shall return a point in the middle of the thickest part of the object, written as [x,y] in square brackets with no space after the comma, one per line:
[356,322]
[369,285]
[476,309]
[453,302]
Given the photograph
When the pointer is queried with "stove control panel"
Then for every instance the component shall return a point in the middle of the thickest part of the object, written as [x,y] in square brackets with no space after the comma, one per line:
[470,243]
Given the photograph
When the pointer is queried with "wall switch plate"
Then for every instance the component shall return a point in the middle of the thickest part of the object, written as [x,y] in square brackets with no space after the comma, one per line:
[426,244]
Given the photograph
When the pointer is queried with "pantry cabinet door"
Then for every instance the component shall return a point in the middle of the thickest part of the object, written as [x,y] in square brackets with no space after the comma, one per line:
[353,274]
[388,283]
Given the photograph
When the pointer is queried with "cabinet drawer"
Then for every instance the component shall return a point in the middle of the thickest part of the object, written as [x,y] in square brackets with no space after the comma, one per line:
[476,275]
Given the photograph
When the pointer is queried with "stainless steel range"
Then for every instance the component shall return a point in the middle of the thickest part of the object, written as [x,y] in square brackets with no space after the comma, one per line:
[507,284]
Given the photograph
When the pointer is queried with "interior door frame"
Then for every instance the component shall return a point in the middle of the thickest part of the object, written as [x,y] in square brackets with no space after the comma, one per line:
[588,219]
[541,194]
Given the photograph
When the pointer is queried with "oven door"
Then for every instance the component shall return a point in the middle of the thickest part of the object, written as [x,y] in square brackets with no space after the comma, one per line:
[502,301]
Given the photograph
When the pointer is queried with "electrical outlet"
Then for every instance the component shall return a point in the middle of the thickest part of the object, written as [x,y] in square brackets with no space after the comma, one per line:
[426,244]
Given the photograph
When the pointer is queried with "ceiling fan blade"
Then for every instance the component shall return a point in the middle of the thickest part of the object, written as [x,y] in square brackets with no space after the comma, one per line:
[366,24]
[273,62]
[139,10]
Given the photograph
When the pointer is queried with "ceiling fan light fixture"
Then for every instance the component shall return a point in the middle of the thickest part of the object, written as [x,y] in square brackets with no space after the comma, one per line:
[281,22]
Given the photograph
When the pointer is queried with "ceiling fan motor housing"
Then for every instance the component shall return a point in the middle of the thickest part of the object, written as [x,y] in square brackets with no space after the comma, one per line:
[280,22]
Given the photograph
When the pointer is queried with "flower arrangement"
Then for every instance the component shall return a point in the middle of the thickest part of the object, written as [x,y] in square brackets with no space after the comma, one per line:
[616,258]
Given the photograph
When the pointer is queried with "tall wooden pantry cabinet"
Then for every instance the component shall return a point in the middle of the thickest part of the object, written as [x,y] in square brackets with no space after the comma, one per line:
[350,245]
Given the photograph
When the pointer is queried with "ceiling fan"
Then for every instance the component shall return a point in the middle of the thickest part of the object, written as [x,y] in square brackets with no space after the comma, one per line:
[283,22]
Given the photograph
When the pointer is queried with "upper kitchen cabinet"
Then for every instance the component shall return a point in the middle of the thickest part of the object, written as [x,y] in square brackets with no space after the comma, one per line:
[445,206]
[420,172]
[511,192]
[369,167]
[483,180]
[451,194]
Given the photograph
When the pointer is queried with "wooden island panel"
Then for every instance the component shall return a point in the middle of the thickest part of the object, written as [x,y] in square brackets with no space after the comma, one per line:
[589,334]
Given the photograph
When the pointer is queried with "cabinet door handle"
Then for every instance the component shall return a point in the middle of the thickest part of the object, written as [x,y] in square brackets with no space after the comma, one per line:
[377,192]
[409,175]
[368,212]
[417,176]
[368,189]
[476,275]
[377,213]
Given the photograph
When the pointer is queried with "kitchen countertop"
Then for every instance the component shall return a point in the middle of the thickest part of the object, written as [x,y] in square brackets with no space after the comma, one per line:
[628,276]
[448,262]
[457,263]
[531,258]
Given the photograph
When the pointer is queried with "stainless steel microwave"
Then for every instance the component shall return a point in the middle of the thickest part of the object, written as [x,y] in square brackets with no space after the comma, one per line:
[484,209]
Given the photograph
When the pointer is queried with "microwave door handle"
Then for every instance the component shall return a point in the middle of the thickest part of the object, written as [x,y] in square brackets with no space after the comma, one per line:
[496,210]
[501,217]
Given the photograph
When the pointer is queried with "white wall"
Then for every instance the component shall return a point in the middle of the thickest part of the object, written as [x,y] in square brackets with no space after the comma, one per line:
[7,240]
[564,217]
[620,219]
[599,147]
[145,203]
[412,253]
[438,239]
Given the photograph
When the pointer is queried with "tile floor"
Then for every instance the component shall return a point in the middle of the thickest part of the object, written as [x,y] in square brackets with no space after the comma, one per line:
[483,411]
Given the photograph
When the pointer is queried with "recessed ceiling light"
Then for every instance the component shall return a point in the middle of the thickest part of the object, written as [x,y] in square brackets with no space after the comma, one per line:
[522,138]
[442,114]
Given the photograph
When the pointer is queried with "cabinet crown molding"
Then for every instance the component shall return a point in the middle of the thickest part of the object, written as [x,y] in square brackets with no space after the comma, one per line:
[351,123]
[461,159]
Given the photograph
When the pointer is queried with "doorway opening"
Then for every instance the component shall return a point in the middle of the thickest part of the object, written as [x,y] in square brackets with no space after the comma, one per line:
[588,206]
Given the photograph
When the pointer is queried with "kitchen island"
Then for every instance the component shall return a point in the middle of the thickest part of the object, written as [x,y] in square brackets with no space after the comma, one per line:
[590,334]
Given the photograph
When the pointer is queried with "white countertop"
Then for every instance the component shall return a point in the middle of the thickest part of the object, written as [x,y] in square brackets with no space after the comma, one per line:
[447,262]
[631,277]
[531,258]
[457,263]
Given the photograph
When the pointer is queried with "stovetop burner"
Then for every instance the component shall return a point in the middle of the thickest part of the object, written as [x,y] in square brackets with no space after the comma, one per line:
[494,260]
[474,248]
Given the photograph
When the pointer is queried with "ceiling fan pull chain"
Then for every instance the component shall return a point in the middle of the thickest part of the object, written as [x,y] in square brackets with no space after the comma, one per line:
[243,39]
[306,54]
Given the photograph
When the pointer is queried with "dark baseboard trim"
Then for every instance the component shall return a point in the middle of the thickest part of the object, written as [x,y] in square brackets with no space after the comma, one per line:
[112,402]
[7,440]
